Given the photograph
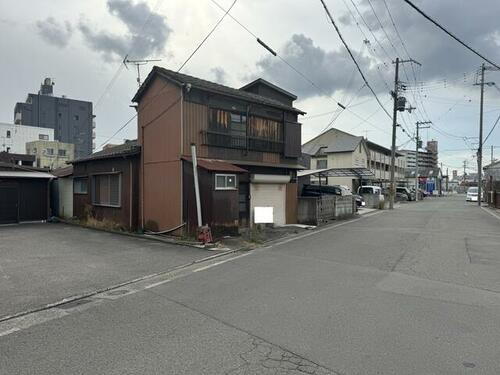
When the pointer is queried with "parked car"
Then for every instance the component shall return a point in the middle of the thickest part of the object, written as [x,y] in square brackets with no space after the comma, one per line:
[360,202]
[405,193]
[376,190]
[318,190]
[472,194]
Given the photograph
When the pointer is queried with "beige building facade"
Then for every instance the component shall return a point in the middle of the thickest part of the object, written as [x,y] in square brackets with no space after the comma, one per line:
[338,149]
[51,154]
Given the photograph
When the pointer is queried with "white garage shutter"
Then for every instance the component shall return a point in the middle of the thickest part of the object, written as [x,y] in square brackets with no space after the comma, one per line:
[269,195]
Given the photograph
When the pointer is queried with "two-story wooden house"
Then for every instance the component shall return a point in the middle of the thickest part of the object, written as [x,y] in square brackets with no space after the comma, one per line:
[248,142]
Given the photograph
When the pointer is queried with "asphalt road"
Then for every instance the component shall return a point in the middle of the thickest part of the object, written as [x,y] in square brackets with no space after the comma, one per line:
[42,263]
[410,291]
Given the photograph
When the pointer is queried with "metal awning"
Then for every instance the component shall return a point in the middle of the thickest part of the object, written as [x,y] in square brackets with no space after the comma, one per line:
[23,174]
[337,172]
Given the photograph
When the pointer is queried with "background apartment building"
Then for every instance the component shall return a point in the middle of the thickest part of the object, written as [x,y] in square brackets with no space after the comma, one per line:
[426,159]
[13,138]
[51,154]
[72,120]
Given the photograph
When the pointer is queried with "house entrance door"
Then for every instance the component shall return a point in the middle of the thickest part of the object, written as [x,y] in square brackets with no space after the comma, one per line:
[244,203]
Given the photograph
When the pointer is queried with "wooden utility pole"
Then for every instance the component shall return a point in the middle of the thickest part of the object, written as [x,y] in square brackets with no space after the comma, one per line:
[417,146]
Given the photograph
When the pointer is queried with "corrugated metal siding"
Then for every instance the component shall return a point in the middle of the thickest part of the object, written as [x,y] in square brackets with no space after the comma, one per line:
[195,121]
[161,140]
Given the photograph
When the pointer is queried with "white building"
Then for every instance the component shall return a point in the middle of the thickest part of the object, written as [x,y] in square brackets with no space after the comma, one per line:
[13,137]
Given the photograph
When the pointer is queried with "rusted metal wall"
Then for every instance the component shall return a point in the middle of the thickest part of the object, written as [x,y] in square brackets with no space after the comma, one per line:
[160,134]
[126,215]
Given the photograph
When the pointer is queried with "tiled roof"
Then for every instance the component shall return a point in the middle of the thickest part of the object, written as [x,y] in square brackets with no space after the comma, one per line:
[63,172]
[332,141]
[212,87]
[127,148]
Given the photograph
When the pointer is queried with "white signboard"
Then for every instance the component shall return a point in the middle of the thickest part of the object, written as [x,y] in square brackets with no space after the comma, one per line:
[263,215]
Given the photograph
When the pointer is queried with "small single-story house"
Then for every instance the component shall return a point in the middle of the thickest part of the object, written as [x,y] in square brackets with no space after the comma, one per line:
[24,194]
[492,184]
[106,186]
[62,192]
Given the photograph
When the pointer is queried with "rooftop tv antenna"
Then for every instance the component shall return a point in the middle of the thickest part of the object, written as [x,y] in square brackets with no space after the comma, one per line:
[138,64]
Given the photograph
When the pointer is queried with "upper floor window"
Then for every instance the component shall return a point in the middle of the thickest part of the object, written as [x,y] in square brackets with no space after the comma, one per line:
[321,164]
[49,151]
[61,152]
[8,133]
[43,137]
[228,122]
[76,117]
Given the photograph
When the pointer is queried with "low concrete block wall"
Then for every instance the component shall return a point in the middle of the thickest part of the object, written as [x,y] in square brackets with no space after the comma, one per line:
[371,200]
[307,210]
[314,211]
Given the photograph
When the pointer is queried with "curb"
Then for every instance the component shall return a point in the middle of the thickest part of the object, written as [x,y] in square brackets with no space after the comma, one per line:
[156,274]
[196,245]
[115,286]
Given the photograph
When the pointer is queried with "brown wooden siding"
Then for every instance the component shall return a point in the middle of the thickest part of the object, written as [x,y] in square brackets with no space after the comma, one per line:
[160,134]
[291,203]
[125,216]
[195,122]
[219,208]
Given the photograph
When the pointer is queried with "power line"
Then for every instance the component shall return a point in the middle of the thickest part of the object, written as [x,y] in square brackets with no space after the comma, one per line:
[353,58]
[121,66]
[206,37]
[493,128]
[165,85]
[450,34]
[274,53]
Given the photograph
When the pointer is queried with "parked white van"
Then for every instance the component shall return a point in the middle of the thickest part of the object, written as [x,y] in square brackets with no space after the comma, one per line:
[376,190]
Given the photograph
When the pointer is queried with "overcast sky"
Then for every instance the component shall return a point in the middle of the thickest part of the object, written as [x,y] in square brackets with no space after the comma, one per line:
[80,44]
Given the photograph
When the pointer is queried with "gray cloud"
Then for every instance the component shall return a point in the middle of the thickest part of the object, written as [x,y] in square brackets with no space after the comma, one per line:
[148,32]
[439,54]
[220,75]
[55,33]
[331,71]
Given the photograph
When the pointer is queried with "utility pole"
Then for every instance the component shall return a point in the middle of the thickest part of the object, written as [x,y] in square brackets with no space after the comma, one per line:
[491,154]
[394,125]
[465,167]
[137,63]
[480,148]
[418,144]
[399,105]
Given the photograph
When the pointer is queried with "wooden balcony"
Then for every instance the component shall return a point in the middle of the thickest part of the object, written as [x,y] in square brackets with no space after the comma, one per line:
[225,140]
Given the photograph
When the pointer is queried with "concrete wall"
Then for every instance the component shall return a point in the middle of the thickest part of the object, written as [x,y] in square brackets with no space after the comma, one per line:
[65,190]
[20,135]
[52,161]
[314,211]
[71,119]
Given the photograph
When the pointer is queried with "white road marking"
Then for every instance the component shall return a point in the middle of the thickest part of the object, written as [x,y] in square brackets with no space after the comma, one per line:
[55,311]
[157,284]
[490,212]
[9,331]
[219,263]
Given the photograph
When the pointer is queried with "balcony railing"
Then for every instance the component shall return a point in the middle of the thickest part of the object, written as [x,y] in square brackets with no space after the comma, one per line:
[219,139]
